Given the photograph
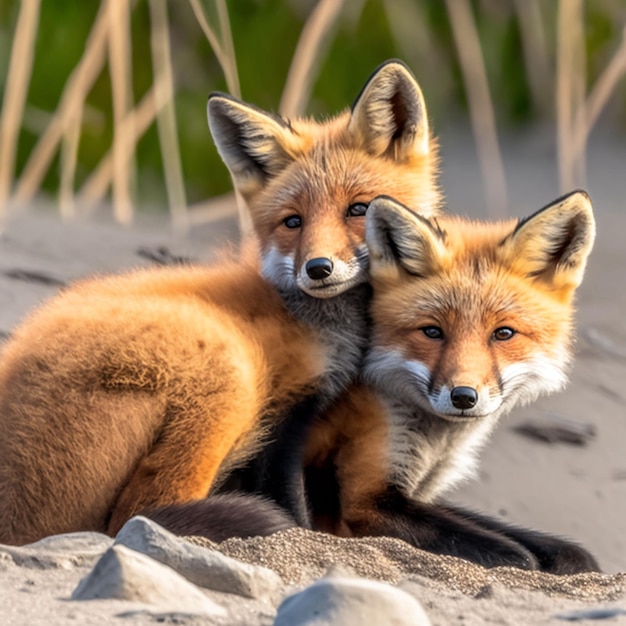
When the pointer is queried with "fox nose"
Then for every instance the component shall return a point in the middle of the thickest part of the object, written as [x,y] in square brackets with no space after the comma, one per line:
[464,398]
[319,268]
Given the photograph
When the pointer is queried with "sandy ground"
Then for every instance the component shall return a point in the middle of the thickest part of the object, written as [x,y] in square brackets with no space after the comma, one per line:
[578,491]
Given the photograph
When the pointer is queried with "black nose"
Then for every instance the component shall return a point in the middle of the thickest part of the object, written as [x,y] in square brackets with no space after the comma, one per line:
[464,397]
[319,268]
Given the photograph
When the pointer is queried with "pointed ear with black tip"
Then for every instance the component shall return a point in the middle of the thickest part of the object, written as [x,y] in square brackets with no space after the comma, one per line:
[253,144]
[554,243]
[389,117]
[399,239]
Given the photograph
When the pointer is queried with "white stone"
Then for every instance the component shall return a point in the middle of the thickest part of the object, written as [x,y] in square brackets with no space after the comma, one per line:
[124,574]
[59,551]
[203,567]
[350,602]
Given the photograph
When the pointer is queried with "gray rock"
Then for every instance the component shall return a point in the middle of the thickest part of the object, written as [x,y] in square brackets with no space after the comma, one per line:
[6,562]
[203,567]
[551,428]
[59,551]
[350,602]
[123,574]
[591,614]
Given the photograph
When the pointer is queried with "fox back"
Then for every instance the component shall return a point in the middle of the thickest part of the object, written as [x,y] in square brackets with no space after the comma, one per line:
[128,392]
[147,386]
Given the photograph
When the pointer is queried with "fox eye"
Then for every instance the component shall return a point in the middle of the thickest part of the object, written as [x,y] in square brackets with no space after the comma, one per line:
[293,221]
[503,334]
[432,332]
[357,209]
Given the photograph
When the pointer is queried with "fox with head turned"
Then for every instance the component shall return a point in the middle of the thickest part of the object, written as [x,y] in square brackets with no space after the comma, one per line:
[150,386]
[469,320]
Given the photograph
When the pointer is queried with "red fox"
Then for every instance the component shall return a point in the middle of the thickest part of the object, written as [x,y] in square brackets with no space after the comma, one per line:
[129,392]
[468,321]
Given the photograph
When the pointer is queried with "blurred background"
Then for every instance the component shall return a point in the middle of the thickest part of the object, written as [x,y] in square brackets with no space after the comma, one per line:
[103,102]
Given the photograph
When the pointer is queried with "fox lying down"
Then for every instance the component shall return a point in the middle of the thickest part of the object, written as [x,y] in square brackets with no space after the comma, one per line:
[469,320]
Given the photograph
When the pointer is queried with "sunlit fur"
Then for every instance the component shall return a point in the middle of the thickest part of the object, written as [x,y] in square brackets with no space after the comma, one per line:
[402,433]
[316,170]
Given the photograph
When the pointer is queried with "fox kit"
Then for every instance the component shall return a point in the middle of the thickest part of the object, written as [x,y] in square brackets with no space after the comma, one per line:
[129,392]
[468,321]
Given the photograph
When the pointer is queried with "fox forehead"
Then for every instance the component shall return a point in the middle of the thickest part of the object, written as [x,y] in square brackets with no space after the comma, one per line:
[328,179]
[474,290]
[469,296]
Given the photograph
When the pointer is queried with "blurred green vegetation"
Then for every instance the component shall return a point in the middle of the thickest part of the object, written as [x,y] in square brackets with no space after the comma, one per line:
[265,35]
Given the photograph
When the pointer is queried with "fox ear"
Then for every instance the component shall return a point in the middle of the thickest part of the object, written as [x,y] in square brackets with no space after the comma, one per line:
[554,243]
[399,238]
[253,144]
[389,116]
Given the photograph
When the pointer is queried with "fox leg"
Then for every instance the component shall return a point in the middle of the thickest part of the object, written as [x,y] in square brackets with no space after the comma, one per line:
[555,555]
[371,504]
[184,460]
[435,529]
[277,469]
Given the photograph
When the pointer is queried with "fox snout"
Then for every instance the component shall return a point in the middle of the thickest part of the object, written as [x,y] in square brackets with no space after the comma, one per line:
[463,401]
[328,276]
[319,268]
[463,398]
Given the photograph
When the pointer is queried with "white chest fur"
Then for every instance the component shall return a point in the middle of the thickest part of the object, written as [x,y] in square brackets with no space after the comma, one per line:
[429,454]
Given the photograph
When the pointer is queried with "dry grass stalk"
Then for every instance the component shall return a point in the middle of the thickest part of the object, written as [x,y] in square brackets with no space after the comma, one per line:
[569,92]
[166,116]
[120,67]
[72,100]
[307,58]
[69,158]
[120,63]
[16,91]
[134,125]
[480,105]
[599,97]
[224,52]
[229,48]
[537,60]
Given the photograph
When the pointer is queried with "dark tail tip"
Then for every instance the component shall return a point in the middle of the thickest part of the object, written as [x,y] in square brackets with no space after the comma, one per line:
[224,516]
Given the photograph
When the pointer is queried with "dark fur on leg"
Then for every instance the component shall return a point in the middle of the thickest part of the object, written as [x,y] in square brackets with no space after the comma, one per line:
[436,529]
[276,472]
[221,517]
[554,554]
